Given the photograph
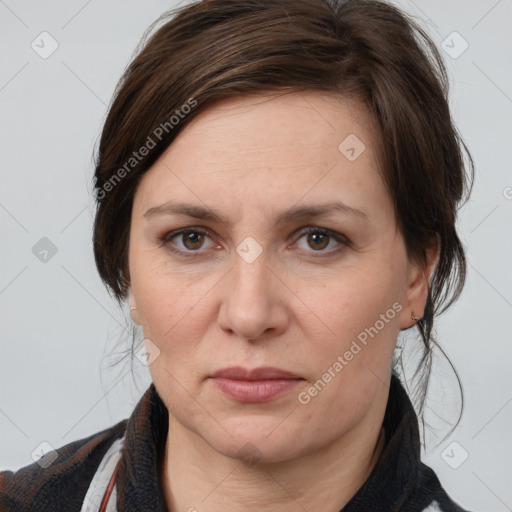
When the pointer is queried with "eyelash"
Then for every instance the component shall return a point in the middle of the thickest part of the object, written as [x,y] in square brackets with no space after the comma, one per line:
[166,238]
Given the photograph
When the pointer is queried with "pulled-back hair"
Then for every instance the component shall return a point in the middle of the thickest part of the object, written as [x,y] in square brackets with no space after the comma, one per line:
[362,49]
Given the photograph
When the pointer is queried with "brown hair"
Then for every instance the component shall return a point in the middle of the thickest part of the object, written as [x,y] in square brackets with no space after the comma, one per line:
[366,49]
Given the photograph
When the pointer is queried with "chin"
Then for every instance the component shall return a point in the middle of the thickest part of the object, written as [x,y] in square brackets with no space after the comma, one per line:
[255,441]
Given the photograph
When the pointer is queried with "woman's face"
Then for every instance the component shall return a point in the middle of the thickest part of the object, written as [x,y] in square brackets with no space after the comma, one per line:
[247,286]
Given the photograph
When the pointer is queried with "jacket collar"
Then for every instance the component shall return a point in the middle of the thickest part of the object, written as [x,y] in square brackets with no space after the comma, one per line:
[393,479]
[139,481]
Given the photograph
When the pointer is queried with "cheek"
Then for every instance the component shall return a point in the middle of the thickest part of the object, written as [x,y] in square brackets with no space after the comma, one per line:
[175,311]
[353,359]
[352,332]
[347,304]
[163,294]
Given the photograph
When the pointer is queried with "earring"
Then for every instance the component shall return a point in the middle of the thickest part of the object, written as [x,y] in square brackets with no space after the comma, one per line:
[132,308]
[415,318]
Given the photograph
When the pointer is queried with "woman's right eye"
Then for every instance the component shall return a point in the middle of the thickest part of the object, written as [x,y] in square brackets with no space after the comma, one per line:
[185,241]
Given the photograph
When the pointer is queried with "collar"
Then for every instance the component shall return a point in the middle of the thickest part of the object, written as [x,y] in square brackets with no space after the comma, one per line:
[390,485]
[139,484]
[394,478]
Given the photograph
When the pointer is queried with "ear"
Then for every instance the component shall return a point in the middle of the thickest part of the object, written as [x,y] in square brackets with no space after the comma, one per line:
[417,285]
[133,307]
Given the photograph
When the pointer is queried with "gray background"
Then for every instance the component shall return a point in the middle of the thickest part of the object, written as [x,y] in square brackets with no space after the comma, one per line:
[61,330]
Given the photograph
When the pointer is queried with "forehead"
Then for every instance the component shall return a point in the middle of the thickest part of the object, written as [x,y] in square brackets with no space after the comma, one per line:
[265,149]
[309,123]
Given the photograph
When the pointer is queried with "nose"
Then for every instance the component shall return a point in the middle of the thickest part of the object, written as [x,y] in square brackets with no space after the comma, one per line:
[253,301]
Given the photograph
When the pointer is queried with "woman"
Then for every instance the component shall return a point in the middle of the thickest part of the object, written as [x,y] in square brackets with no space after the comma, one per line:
[277,186]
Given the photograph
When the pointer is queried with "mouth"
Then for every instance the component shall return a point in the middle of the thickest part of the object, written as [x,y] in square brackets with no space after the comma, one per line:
[256,385]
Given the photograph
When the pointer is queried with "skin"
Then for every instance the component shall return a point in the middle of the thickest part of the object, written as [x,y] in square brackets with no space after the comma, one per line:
[301,302]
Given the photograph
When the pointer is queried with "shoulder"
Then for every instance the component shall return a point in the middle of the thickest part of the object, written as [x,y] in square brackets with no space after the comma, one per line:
[428,485]
[62,485]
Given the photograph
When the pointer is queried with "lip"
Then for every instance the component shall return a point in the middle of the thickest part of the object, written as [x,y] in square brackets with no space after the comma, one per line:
[261,373]
[257,385]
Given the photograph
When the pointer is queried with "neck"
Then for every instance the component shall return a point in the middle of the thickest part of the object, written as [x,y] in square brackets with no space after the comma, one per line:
[196,478]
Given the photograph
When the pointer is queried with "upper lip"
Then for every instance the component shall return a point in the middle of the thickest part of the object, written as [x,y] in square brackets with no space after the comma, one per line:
[262,373]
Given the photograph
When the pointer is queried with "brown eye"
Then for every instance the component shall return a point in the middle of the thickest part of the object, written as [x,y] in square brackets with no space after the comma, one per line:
[323,241]
[193,240]
[186,241]
[318,241]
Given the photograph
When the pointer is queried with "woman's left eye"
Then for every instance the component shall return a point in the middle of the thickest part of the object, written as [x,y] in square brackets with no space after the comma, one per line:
[192,239]
[319,238]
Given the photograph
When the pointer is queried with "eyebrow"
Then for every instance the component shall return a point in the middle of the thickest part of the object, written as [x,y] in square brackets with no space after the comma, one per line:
[293,214]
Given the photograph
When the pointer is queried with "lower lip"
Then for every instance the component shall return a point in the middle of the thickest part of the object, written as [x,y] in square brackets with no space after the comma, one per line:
[255,390]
